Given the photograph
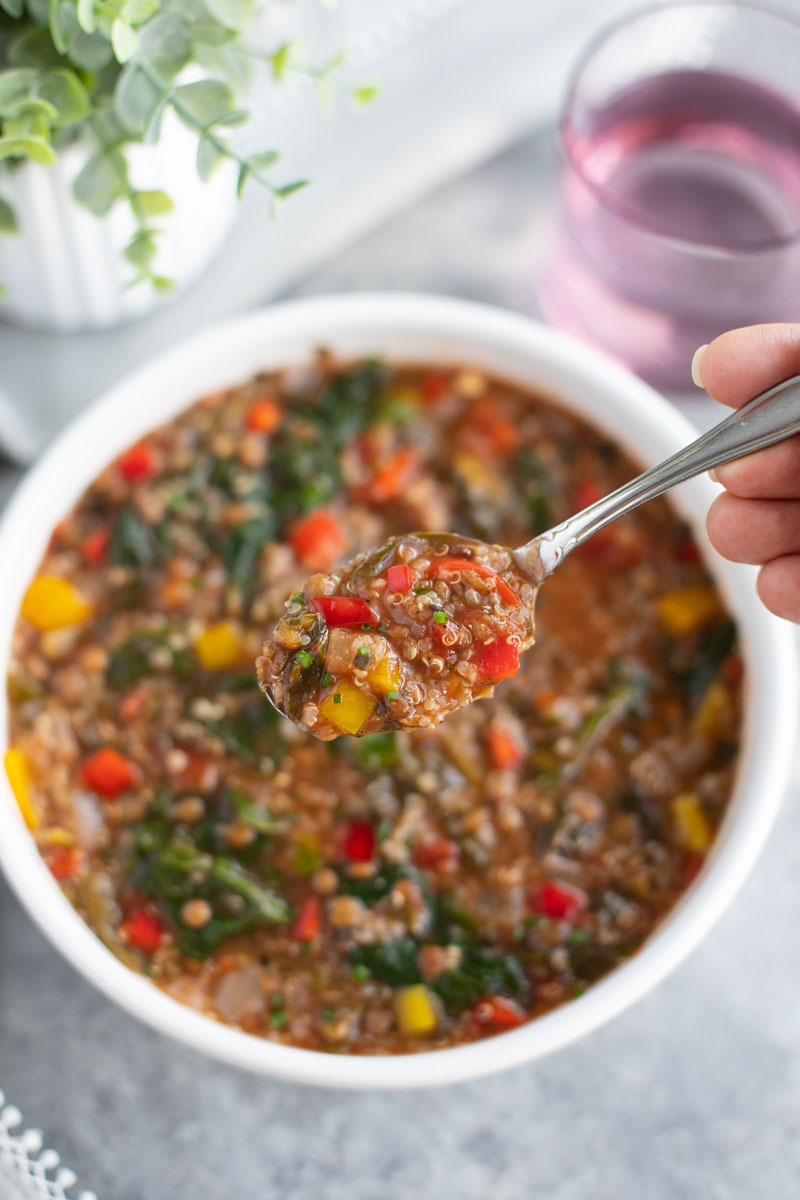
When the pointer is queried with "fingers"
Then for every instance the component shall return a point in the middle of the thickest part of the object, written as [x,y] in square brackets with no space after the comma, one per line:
[738,365]
[754,531]
[779,586]
[773,473]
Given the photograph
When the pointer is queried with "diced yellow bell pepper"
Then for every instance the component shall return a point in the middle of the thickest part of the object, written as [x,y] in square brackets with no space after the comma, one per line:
[714,707]
[19,776]
[689,609]
[691,823]
[386,676]
[415,1009]
[306,857]
[220,646]
[51,603]
[477,475]
[351,710]
[55,836]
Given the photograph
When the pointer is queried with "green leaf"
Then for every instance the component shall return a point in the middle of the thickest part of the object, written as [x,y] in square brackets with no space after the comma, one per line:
[366,94]
[34,48]
[141,250]
[233,14]
[150,204]
[239,116]
[244,175]
[167,45]
[35,107]
[203,104]
[85,13]
[209,156]
[14,8]
[89,51]
[124,40]
[39,11]
[289,189]
[282,59]
[31,124]
[136,99]
[64,90]
[63,23]
[102,181]
[15,87]
[263,161]
[160,283]
[8,218]
[36,149]
[136,12]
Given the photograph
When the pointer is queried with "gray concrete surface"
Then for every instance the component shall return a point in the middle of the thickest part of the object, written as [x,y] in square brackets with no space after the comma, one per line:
[695,1093]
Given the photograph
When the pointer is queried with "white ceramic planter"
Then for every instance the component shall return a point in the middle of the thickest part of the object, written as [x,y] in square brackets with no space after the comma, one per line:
[64,270]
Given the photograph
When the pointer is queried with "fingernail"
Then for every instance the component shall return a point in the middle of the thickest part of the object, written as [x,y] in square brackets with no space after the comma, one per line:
[696,360]
[713,476]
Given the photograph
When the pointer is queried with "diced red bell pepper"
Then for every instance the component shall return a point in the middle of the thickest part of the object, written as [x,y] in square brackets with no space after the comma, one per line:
[732,669]
[65,862]
[95,546]
[505,750]
[441,854]
[562,901]
[400,578]
[500,1012]
[359,841]
[389,482]
[496,431]
[687,551]
[108,773]
[137,464]
[307,922]
[263,415]
[451,566]
[340,611]
[133,702]
[496,660]
[433,387]
[621,545]
[143,930]
[586,493]
[692,867]
[444,633]
[318,540]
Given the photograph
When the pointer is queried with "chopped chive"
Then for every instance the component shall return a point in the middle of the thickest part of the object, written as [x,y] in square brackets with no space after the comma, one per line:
[297,598]
[366,626]
[420,589]
[327,679]
[196,583]
[277,1001]
[362,650]
[577,937]
[337,698]
[278,1020]
[360,973]
[304,658]
[393,694]
[440,618]
[305,948]
[328,1014]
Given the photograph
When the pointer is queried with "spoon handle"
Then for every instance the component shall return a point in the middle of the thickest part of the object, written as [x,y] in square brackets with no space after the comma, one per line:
[769,418]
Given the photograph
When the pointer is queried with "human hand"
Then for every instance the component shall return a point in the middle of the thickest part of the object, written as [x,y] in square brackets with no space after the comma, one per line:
[757,517]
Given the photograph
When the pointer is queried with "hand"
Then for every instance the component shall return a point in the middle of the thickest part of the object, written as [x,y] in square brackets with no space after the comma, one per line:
[757,518]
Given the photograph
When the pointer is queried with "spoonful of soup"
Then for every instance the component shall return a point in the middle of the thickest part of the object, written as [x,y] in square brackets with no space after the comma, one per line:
[401,636]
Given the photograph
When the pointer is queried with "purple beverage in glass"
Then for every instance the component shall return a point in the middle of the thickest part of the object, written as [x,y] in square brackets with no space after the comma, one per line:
[680,187]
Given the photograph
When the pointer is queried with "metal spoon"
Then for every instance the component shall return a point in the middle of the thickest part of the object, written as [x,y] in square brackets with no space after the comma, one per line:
[294,660]
[769,418]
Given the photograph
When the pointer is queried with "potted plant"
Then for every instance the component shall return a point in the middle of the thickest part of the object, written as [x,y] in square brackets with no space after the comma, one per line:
[118,169]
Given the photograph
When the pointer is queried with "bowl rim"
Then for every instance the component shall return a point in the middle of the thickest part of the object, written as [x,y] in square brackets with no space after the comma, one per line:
[768,643]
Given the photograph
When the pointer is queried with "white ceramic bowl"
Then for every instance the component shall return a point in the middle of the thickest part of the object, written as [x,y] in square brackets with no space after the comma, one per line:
[417,329]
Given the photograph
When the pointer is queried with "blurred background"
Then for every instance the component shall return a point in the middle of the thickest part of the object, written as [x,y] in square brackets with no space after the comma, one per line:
[452,179]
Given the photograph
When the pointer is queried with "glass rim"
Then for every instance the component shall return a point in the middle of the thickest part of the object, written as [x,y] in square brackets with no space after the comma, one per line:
[593,46]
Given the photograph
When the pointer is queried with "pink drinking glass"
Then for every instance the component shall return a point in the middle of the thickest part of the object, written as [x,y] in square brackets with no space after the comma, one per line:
[679,200]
